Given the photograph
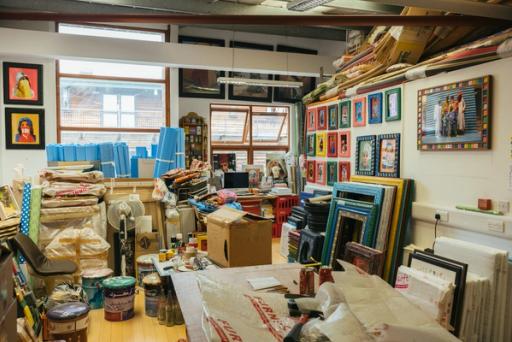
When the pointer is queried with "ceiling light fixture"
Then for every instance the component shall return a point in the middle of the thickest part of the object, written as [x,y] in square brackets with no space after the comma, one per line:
[258,82]
[304,5]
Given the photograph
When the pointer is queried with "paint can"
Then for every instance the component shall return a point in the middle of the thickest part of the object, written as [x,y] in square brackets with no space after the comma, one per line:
[152,290]
[119,298]
[325,274]
[145,266]
[91,283]
[307,281]
[68,322]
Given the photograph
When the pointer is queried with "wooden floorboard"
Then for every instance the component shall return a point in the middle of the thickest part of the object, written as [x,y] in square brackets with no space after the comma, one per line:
[142,328]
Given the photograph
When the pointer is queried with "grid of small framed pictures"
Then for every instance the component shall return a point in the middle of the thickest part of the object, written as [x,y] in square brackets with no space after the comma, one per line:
[330,128]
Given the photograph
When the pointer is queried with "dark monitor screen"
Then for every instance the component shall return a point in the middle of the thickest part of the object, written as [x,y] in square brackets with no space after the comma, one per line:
[236,180]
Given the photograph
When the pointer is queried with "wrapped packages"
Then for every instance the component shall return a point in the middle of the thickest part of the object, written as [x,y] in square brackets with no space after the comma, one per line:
[72,176]
[73,201]
[57,189]
[86,248]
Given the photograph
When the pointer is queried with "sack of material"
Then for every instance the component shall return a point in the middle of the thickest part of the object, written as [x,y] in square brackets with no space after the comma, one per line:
[57,189]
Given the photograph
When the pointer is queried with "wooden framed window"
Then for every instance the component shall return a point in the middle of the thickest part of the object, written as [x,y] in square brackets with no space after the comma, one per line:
[249,131]
[102,101]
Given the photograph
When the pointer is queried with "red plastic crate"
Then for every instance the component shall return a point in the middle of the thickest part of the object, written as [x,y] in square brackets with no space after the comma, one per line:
[252,206]
[282,209]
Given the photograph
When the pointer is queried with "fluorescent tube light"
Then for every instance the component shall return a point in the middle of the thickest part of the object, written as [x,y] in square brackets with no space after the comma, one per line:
[259,82]
[304,5]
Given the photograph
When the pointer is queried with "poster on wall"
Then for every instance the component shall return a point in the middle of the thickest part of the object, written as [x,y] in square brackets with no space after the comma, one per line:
[226,162]
[365,155]
[276,167]
[201,83]
[24,129]
[455,116]
[23,83]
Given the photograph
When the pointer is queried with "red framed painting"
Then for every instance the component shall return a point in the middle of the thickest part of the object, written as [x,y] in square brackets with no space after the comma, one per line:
[321,121]
[359,112]
[311,171]
[344,171]
[344,144]
[311,119]
[321,173]
[23,83]
[332,144]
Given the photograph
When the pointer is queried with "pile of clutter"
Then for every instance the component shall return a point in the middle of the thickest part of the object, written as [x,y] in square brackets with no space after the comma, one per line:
[188,183]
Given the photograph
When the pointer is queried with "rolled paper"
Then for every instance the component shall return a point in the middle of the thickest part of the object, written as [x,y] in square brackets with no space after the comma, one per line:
[141,151]
[134,166]
[25,212]
[35,213]
[106,157]
[61,153]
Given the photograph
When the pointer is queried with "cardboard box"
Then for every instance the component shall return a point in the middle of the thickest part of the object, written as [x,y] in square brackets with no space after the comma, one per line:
[236,238]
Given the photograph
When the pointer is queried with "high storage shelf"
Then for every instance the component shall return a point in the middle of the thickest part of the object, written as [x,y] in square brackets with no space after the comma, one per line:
[196,138]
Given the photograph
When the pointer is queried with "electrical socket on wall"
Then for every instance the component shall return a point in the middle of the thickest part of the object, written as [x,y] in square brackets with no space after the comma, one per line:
[443,214]
[504,206]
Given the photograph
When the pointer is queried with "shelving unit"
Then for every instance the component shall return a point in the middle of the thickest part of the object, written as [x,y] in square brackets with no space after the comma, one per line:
[196,137]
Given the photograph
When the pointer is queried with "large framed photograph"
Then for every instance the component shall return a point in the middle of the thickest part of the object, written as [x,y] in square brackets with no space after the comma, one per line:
[292,95]
[393,104]
[8,206]
[344,144]
[332,144]
[311,119]
[447,269]
[388,155]
[226,162]
[333,117]
[455,116]
[365,155]
[332,172]
[276,167]
[23,83]
[201,83]
[359,112]
[366,258]
[250,92]
[24,129]
[345,114]
[375,108]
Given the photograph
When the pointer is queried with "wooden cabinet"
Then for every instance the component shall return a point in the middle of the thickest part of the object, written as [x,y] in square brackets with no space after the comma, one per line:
[196,138]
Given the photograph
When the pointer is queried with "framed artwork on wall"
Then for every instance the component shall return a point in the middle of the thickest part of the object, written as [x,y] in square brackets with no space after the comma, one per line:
[310,144]
[24,129]
[393,104]
[332,173]
[344,144]
[345,114]
[201,83]
[359,112]
[321,174]
[388,155]
[311,171]
[365,155]
[333,117]
[344,171]
[332,144]
[321,121]
[311,119]
[455,116]
[321,144]
[23,83]
[375,108]
[292,95]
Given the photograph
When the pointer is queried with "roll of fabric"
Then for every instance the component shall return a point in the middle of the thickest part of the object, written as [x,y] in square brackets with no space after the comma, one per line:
[141,151]
[69,152]
[106,157]
[35,213]
[52,152]
[81,152]
[25,212]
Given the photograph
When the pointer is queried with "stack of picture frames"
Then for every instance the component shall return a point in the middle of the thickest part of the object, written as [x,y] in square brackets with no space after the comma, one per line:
[23,86]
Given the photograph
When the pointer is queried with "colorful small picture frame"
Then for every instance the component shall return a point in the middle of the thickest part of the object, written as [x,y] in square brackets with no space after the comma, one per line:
[344,144]
[333,117]
[310,144]
[24,129]
[311,119]
[388,155]
[365,155]
[332,144]
[321,121]
[359,112]
[344,171]
[332,172]
[345,114]
[375,108]
[23,84]
[321,173]
[321,144]
[393,104]
[311,171]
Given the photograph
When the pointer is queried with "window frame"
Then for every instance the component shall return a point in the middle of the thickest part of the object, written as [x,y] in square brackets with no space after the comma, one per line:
[250,147]
[165,81]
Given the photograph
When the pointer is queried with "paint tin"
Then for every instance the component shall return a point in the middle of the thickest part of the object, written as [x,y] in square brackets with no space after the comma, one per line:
[162,256]
[307,281]
[325,274]
[68,322]
[119,298]
[152,290]
[145,266]
[91,283]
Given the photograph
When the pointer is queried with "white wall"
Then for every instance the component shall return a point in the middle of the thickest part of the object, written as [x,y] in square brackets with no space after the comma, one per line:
[33,160]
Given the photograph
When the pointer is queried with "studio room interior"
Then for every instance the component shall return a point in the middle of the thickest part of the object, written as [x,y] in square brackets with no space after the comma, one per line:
[255,170]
